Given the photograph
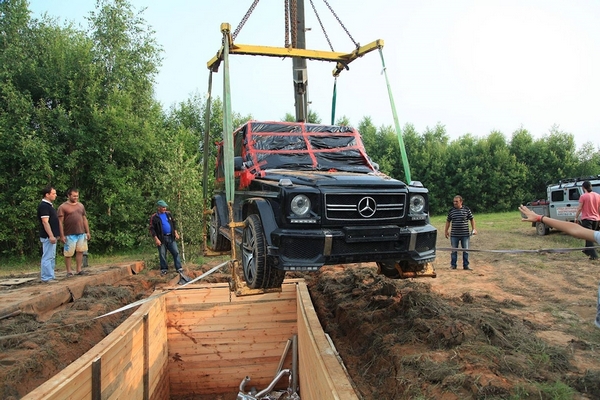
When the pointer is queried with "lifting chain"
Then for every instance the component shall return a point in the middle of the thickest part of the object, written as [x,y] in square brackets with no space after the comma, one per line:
[320,23]
[294,27]
[290,13]
[286,12]
[338,20]
[243,21]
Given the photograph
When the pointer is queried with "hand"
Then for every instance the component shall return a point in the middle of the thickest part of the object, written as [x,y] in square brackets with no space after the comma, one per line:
[529,216]
[446,234]
[157,242]
[176,235]
[52,240]
[474,231]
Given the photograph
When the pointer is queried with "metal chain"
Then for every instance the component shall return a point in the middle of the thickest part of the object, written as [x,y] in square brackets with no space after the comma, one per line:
[294,17]
[338,20]
[320,23]
[287,23]
[243,21]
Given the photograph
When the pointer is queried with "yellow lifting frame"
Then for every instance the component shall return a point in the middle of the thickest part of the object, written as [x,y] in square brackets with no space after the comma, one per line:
[342,59]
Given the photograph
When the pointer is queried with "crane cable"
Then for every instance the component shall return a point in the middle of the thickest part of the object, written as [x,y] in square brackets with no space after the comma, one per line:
[396,123]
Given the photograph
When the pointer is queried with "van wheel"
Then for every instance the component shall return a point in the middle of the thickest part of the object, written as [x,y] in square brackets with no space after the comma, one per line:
[218,242]
[541,228]
[257,273]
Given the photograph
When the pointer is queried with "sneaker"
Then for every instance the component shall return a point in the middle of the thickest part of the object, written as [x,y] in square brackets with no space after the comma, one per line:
[467,268]
[453,267]
[163,272]
[592,258]
[180,271]
[50,281]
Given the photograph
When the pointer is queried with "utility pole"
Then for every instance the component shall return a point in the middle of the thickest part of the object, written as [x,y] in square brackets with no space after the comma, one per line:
[299,67]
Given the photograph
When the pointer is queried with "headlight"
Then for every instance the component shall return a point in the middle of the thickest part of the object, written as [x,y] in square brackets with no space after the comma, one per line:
[300,205]
[417,204]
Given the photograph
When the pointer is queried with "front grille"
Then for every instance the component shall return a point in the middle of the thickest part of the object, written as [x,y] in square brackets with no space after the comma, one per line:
[364,207]
[305,249]
[342,248]
[426,241]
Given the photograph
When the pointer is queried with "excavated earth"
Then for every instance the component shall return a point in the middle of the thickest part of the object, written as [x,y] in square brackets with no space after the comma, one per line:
[516,327]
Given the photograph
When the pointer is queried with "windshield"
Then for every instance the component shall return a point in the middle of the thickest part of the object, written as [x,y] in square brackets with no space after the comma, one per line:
[304,147]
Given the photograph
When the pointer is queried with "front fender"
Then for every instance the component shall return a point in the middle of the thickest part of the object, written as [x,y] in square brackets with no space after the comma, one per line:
[261,207]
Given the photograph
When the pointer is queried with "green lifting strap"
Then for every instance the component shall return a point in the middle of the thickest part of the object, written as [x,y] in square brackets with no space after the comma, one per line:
[397,125]
[227,125]
[205,142]
[333,100]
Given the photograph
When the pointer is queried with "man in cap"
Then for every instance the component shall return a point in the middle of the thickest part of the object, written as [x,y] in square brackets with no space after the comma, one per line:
[163,229]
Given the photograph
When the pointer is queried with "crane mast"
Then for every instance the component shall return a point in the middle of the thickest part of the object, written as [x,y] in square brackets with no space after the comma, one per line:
[299,67]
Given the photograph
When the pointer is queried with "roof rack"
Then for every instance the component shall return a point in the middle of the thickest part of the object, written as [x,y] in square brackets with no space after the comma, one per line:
[578,179]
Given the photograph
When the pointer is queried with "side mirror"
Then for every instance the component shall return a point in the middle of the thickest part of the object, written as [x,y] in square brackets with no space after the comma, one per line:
[238,163]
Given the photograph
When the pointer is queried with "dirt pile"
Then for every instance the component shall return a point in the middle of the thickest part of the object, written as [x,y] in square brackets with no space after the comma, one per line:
[399,340]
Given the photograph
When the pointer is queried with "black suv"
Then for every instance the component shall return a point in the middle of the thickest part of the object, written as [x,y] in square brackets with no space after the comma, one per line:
[308,195]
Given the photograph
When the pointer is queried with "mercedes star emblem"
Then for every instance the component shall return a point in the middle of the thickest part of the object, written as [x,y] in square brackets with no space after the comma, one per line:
[367,207]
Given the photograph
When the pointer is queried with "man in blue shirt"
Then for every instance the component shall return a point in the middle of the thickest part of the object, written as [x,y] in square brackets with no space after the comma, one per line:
[163,229]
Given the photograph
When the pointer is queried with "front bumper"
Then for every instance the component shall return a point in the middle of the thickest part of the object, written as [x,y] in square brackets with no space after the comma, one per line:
[308,250]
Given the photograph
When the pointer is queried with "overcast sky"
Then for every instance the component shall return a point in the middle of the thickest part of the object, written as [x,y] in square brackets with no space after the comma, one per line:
[472,66]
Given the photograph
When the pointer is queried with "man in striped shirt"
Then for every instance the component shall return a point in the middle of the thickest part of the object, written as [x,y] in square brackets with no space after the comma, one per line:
[459,216]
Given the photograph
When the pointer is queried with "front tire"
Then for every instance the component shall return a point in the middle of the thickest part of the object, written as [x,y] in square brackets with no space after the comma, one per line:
[257,273]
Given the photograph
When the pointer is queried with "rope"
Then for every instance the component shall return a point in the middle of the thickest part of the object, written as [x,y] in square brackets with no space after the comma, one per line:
[396,123]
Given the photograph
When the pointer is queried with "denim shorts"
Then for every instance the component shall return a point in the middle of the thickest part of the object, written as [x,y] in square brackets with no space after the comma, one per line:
[75,243]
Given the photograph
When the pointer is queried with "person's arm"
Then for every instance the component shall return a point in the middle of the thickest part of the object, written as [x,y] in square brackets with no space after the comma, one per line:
[48,229]
[577,213]
[446,229]
[61,228]
[87,228]
[473,230]
[153,232]
[570,228]
[174,226]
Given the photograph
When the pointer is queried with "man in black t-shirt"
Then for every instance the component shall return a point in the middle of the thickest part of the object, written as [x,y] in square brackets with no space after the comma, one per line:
[459,216]
[49,232]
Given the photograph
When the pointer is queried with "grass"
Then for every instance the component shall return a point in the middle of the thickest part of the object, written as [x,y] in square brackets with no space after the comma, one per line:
[12,266]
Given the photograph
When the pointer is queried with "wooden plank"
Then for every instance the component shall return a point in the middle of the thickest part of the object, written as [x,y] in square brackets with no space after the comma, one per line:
[321,375]
[15,281]
[75,380]
[214,354]
[158,356]
[228,323]
[220,310]
[215,338]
